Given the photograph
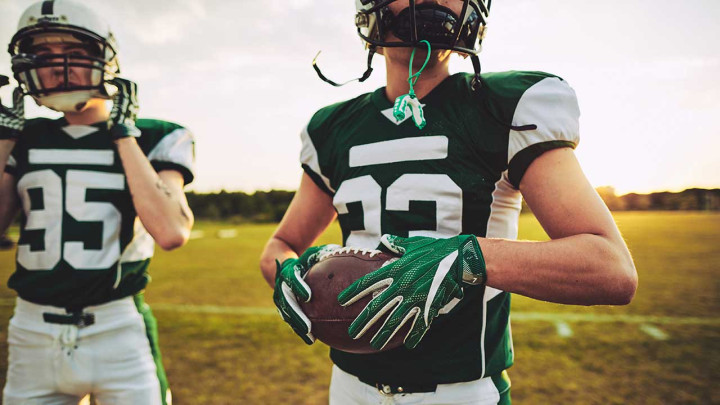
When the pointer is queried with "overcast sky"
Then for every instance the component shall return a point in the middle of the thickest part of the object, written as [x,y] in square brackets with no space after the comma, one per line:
[238,74]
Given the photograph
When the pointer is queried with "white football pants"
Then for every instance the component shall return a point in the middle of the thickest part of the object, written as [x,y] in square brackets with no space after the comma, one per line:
[60,364]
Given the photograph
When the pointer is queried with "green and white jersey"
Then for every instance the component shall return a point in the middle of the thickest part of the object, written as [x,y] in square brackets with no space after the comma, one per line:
[459,175]
[81,242]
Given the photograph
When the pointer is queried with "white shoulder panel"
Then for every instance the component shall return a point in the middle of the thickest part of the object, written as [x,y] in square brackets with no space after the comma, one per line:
[176,147]
[309,157]
[550,104]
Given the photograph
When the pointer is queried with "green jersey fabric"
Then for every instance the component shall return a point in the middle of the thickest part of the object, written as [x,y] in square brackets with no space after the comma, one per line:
[458,175]
[81,242]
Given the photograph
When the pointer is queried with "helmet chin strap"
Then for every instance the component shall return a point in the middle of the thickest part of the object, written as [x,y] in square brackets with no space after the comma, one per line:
[368,71]
[477,80]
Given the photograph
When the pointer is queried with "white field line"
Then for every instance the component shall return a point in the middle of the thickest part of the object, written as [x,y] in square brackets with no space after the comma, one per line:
[197,235]
[552,317]
[227,233]
[604,318]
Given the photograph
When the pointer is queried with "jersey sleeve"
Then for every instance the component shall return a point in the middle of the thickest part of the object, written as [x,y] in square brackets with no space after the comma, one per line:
[312,139]
[175,151]
[550,107]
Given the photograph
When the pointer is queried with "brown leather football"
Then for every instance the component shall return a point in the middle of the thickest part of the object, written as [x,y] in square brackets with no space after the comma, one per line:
[330,321]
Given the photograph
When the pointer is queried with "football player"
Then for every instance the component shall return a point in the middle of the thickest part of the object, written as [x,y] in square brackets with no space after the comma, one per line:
[97,190]
[434,166]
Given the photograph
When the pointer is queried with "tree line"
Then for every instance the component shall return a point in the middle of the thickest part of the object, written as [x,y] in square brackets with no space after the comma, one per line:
[269,206]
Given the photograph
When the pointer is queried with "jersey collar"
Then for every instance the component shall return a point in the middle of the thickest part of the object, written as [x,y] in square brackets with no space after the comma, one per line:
[435,95]
[79,131]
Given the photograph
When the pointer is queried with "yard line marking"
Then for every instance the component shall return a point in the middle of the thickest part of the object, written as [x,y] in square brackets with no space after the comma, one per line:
[227,233]
[604,318]
[563,329]
[215,309]
[196,234]
[654,332]
[552,317]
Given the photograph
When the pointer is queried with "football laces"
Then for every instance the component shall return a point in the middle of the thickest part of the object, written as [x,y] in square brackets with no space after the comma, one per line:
[350,249]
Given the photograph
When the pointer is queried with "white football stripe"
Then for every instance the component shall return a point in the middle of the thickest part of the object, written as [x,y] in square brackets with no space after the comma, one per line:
[442,270]
[399,150]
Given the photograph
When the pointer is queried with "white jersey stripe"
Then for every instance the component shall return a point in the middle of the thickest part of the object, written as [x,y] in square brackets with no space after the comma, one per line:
[399,150]
[502,223]
[71,157]
[141,247]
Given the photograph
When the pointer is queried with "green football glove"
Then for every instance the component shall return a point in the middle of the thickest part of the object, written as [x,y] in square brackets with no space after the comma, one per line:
[290,286]
[12,120]
[124,111]
[429,274]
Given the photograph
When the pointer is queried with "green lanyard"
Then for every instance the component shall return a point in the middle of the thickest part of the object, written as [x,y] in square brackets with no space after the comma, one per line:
[410,99]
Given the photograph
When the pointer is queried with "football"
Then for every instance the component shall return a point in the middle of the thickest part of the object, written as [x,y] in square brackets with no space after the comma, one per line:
[330,321]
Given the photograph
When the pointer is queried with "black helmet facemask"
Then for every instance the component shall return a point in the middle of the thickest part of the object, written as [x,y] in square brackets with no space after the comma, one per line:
[433,23]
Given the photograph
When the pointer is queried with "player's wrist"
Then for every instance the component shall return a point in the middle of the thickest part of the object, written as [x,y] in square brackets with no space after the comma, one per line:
[120,132]
[281,267]
[474,271]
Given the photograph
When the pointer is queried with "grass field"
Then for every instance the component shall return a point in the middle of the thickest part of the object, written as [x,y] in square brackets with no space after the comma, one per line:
[223,343]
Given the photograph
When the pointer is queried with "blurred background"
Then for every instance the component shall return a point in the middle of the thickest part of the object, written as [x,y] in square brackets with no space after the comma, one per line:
[239,75]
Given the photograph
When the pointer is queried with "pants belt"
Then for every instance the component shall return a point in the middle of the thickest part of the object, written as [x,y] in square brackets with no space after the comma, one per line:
[391,389]
[79,319]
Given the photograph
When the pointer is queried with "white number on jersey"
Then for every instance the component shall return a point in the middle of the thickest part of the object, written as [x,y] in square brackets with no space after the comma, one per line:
[49,219]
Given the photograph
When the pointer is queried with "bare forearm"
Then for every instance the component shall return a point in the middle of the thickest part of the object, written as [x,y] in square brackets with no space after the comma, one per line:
[6,146]
[582,269]
[162,209]
[9,202]
[275,249]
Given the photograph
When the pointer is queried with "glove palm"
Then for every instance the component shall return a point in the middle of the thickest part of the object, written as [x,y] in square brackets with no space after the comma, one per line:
[124,110]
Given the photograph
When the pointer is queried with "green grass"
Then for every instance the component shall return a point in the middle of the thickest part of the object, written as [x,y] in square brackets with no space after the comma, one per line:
[254,358]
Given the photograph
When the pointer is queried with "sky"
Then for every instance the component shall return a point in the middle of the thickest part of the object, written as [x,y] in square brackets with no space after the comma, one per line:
[238,74]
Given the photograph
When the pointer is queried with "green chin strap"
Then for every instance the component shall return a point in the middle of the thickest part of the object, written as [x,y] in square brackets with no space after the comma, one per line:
[410,99]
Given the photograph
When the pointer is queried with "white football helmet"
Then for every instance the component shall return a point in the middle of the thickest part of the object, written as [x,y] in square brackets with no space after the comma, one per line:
[64,22]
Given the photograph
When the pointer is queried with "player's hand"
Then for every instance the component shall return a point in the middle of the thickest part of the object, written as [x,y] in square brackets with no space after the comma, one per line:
[427,276]
[290,288]
[12,120]
[124,111]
